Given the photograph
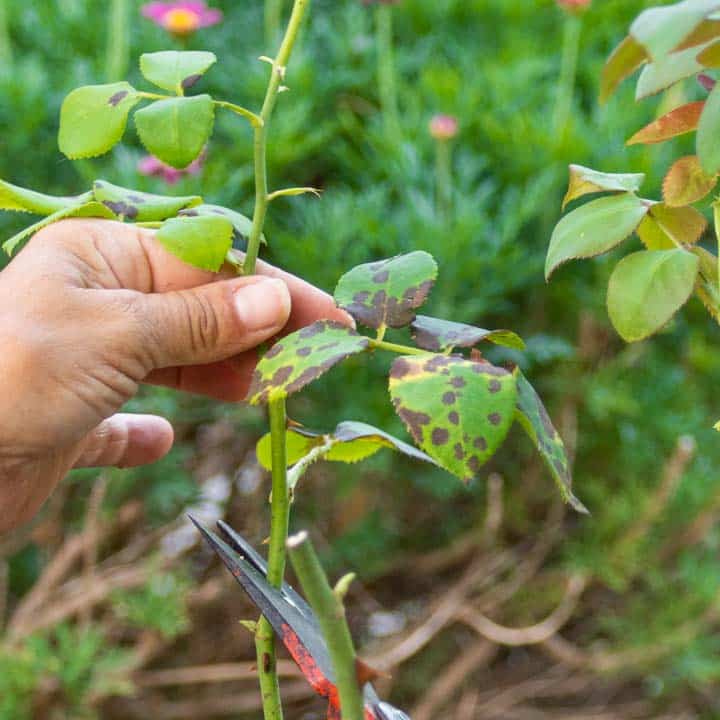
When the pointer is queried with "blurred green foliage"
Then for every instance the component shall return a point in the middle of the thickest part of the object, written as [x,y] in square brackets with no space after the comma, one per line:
[494,64]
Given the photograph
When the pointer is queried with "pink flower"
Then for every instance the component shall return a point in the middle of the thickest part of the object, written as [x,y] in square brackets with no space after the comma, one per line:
[574,6]
[153,167]
[182,18]
[444,127]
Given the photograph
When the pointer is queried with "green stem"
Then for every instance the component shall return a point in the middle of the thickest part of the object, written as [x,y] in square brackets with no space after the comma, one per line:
[716,220]
[279,521]
[568,73]
[260,143]
[6,51]
[118,41]
[443,178]
[394,347]
[330,611]
[387,77]
[273,20]
[255,120]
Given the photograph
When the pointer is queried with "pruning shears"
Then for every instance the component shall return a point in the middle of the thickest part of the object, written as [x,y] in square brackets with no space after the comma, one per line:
[293,621]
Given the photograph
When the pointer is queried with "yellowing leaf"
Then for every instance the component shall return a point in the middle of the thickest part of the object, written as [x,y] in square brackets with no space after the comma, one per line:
[458,411]
[585,181]
[679,121]
[686,182]
[627,57]
[663,228]
[710,56]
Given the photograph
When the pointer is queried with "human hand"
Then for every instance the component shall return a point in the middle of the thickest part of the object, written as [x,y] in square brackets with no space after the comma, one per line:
[89,310]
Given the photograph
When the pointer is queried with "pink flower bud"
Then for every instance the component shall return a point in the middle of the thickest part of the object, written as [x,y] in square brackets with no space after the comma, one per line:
[182,18]
[444,127]
[574,6]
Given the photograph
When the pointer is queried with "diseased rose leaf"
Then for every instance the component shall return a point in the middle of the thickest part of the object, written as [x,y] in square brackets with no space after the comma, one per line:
[176,130]
[19,199]
[660,30]
[93,118]
[241,224]
[584,181]
[350,442]
[663,224]
[176,71]
[686,182]
[534,419]
[458,411]
[387,293]
[666,71]
[437,335]
[594,228]
[647,288]
[301,358]
[199,241]
[708,131]
[140,206]
[87,210]
[677,122]
[627,57]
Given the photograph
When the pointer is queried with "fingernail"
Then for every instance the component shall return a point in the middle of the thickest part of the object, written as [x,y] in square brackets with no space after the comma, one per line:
[264,305]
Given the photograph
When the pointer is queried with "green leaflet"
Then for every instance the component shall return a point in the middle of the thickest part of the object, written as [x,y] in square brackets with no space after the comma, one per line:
[458,411]
[13,197]
[350,442]
[387,293]
[708,132]
[91,209]
[175,71]
[176,130]
[666,71]
[594,228]
[301,358]
[139,206]
[661,29]
[584,181]
[199,241]
[241,224]
[647,288]
[533,417]
[93,118]
[437,335]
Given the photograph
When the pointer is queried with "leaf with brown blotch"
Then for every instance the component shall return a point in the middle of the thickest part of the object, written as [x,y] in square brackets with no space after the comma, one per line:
[458,411]
[710,56]
[439,335]
[686,182]
[679,121]
[299,359]
[386,293]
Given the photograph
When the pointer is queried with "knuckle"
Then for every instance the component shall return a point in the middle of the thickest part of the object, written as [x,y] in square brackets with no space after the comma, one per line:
[203,326]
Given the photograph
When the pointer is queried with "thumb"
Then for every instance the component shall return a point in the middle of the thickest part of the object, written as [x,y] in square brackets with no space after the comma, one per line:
[212,322]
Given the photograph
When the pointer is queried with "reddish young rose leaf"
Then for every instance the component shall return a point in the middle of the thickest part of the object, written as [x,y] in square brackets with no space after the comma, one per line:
[298,359]
[679,121]
[686,182]
[627,57]
[665,226]
[458,411]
